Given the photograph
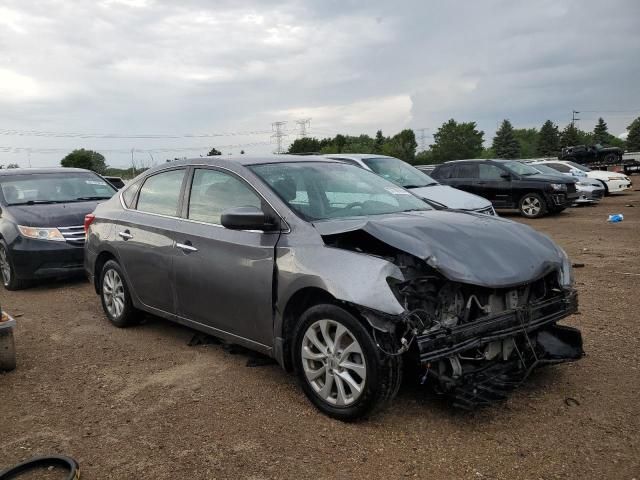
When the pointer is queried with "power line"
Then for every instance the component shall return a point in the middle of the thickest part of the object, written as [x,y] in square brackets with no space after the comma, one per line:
[41,133]
[30,150]
[422,138]
[279,134]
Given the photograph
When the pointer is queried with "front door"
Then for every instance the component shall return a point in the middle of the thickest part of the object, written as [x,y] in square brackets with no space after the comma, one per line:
[224,277]
[497,187]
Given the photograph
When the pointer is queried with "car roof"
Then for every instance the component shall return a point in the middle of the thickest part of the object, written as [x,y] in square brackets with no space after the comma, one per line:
[29,171]
[356,156]
[245,160]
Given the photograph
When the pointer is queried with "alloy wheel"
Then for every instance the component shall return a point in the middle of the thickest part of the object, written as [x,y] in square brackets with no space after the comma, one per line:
[531,206]
[5,267]
[113,293]
[333,362]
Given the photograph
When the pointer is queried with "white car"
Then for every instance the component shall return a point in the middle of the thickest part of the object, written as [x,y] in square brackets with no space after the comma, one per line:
[419,183]
[589,190]
[613,182]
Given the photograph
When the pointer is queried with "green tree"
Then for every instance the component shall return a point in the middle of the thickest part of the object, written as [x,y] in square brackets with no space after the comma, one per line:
[402,145]
[305,145]
[214,152]
[456,141]
[548,140]
[87,159]
[570,136]
[633,137]
[379,142]
[528,140]
[601,132]
[505,143]
[13,165]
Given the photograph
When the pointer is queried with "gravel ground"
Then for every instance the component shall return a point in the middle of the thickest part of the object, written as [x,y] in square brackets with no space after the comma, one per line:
[141,404]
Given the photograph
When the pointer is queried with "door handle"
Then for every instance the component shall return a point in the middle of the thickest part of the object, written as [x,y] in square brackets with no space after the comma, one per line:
[186,247]
[126,235]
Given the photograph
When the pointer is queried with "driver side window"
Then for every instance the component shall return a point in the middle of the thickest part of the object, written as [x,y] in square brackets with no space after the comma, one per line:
[490,172]
[213,192]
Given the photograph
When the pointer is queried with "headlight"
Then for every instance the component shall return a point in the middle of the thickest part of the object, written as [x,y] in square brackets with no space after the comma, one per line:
[614,178]
[558,186]
[566,272]
[41,233]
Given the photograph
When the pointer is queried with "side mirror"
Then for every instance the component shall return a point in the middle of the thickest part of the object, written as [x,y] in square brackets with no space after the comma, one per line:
[248,218]
[506,175]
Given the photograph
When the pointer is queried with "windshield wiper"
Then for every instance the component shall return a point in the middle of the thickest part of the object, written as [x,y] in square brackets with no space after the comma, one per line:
[37,202]
[414,186]
[92,198]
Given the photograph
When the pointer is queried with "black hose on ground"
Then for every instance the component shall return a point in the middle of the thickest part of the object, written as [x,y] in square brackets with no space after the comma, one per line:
[67,463]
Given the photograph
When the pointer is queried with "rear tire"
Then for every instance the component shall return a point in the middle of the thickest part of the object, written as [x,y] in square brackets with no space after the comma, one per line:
[115,297]
[532,205]
[7,271]
[343,387]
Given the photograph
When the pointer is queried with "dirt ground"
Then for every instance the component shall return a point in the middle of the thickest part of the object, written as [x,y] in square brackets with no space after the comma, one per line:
[140,403]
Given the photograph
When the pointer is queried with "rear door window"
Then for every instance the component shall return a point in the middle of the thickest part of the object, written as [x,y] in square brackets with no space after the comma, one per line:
[469,170]
[160,193]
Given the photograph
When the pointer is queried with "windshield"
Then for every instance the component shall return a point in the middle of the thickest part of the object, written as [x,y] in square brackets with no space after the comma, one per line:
[579,167]
[322,191]
[63,187]
[545,169]
[399,172]
[520,168]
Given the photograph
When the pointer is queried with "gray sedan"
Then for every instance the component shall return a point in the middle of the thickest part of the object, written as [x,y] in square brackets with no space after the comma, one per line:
[340,275]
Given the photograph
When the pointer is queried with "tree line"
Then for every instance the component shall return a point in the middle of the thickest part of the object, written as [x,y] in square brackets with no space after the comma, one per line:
[452,141]
[461,140]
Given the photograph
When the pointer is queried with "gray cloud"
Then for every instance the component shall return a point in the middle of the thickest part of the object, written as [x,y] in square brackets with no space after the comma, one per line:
[145,66]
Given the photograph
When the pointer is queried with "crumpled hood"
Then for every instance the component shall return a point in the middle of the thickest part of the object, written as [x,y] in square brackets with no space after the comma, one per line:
[464,247]
[452,197]
[52,215]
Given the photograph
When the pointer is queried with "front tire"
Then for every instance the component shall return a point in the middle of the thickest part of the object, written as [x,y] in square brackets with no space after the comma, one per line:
[532,205]
[115,297]
[339,367]
[7,271]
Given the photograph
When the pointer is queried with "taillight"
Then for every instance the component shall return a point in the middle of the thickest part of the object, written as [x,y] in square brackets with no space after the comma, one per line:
[88,220]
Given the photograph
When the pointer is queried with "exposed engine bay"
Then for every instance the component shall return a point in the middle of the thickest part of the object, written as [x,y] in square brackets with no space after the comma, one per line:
[473,343]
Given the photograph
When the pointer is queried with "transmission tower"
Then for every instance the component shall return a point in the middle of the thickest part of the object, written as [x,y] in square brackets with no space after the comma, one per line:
[422,138]
[279,134]
[303,124]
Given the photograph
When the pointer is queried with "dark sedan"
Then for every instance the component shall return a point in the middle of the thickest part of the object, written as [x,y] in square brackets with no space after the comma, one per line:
[509,184]
[338,274]
[42,221]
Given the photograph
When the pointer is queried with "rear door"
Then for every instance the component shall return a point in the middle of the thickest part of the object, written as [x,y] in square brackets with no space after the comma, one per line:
[465,177]
[223,277]
[497,188]
[145,238]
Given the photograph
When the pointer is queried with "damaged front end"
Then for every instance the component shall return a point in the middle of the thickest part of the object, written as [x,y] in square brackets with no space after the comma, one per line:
[473,343]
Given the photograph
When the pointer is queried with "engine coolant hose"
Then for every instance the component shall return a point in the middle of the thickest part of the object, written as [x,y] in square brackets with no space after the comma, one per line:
[66,463]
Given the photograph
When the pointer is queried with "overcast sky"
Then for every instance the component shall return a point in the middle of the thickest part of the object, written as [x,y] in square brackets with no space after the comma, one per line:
[183,68]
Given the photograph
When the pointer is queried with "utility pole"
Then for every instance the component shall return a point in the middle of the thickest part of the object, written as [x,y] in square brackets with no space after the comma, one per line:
[279,134]
[303,124]
[422,138]
[573,117]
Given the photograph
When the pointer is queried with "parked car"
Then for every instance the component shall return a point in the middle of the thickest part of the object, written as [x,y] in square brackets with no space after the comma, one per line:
[509,184]
[338,274]
[117,182]
[427,168]
[589,191]
[586,155]
[612,182]
[42,221]
[417,182]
